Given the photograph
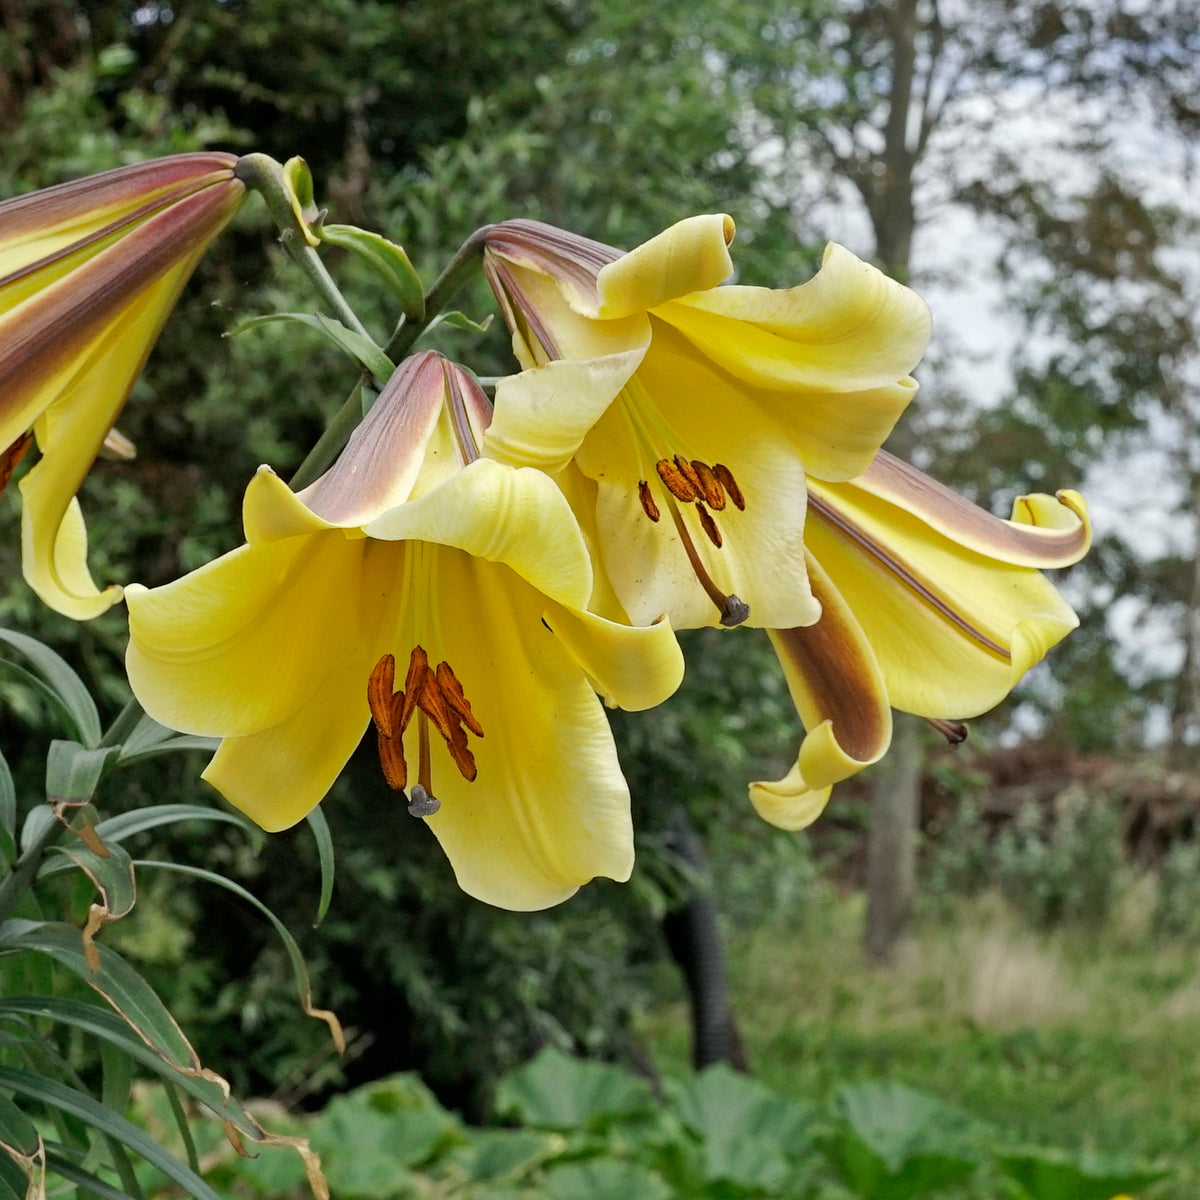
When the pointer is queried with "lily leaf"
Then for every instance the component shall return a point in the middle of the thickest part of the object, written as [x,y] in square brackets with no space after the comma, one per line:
[73,771]
[125,825]
[129,994]
[72,698]
[8,800]
[299,969]
[149,738]
[389,262]
[458,320]
[323,838]
[362,350]
[90,1110]
[66,1168]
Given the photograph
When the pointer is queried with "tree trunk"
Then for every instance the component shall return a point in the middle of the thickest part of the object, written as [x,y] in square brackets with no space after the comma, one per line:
[892,843]
[694,939]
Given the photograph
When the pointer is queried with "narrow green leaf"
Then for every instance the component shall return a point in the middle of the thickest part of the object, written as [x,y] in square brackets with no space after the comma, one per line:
[73,771]
[205,1087]
[112,875]
[184,1127]
[17,1132]
[362,350]
[95,1114]
[299,969]
[458,320]
[389,262]
[73,696]
[324,840]
[8,800]
[116,1080]
[14,1183]
[37,820]
[173,745]
[149,739]
[66,1168]
[125,825]
[128,993]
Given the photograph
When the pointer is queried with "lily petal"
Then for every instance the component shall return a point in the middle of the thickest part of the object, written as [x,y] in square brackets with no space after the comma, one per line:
[1045,531]
[762,546]
[549,809]
[288,615]
[538,538]
[691,256]
[953,630]
[277,777]
[543,414]
[632,667]
[839,691]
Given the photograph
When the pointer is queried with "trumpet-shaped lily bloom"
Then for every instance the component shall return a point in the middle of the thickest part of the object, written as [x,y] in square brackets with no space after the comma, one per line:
[687,465]
[929,605]
[442,595]
[89,271]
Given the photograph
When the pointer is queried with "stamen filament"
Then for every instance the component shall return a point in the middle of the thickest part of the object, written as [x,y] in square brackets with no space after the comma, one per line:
[733,609]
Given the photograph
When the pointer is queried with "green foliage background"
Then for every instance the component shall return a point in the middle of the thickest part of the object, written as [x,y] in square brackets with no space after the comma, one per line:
[424,120]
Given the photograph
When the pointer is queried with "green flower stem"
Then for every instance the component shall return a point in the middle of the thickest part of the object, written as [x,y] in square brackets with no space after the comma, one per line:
[125,723]
[337,434]
[266,176]
[23,874]
[460,268]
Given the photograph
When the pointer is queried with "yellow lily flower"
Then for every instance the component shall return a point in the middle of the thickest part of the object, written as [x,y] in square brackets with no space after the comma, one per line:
[89,271]
[681,418]
[929,605]
[413,561]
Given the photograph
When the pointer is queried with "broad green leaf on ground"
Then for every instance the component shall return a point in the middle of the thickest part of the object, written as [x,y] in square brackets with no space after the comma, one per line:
[1046,1174]
[555,1091]
[748,1133]
[369,1139]
[895,1143]
[507,1155]
[603,1179]
[64,687]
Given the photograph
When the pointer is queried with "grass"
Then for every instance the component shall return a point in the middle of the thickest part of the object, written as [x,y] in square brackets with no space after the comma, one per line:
[1075,1039]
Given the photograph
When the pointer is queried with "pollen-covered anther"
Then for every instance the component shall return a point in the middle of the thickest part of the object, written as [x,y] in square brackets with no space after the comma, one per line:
[675,481]
[12,456]
[727,481]
[710,486]
[709,525]
[436,698]
[648,505]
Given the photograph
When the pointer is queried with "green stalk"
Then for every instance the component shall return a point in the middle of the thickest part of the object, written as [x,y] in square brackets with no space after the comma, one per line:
[460,268]
[266,176]
[15,886]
